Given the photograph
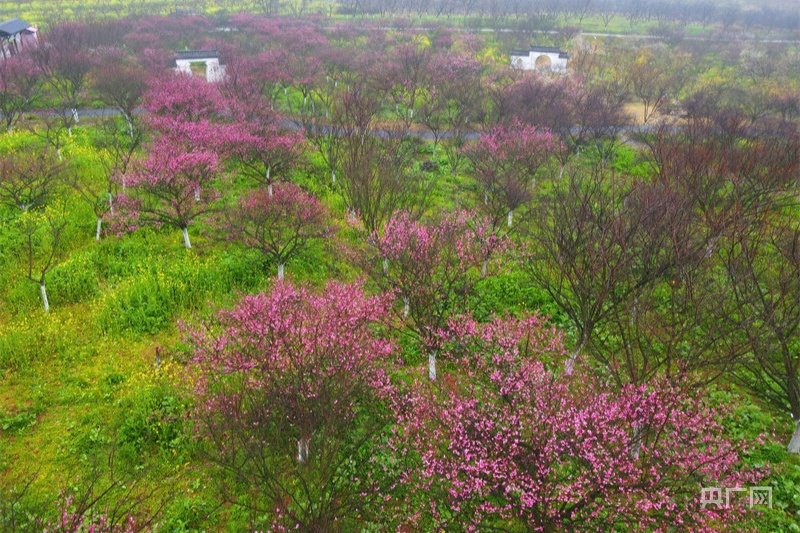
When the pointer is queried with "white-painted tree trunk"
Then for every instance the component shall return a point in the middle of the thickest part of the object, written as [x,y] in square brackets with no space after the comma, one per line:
[302,451]
[573,356]
[186,242]
[484,267]
[333,176]
[269,190]
[561,172]
[794,444]
[58,153]
[280,271]
[75,115]
[99,229]
[406,306]
[385,266]
[432,365]
[197,194]
[636,445]
[485,198]
[510,217]
[44,298]
[533,182]
[110,204]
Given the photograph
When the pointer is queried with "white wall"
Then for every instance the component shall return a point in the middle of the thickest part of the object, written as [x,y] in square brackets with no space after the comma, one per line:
[214,71]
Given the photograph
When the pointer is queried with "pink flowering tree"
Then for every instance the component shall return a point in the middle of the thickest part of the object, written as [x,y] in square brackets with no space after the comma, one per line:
[173,187]
[452,103]
[505,163]
[181,98]
[21,81]
[260,146]
[433,268]
[506,444]
[279,223]
[292,394]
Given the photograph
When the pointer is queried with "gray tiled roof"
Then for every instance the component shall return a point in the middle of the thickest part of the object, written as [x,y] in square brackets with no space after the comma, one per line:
[196,54]
[13,26]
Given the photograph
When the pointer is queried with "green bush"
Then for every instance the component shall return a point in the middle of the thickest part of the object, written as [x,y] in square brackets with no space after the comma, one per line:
[154,419]
[73,281]
[148,302]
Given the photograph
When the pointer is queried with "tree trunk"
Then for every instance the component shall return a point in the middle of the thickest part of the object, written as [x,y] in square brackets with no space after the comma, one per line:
[280,271]
[510,217]
[269,190]
[573,356]
[110,204]
[432,365]
[44,298]
[636,443]
[302,450]
[405,306]
[385,266]
[484,268]
[794,444]
[186,241]
[99,228]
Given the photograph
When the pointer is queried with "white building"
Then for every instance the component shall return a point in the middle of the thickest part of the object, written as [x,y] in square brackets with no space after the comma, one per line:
[541,58]
[184,60]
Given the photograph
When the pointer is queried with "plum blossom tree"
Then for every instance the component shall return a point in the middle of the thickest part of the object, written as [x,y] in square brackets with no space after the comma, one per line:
[292,389]
[42,235]
[452,102]
[506,444]
[20,85]
[278,224]
[120,83]
[174,187]
[28,179]
[182,98]
[505,162]
[433,267]
[261,147]
[65,59]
